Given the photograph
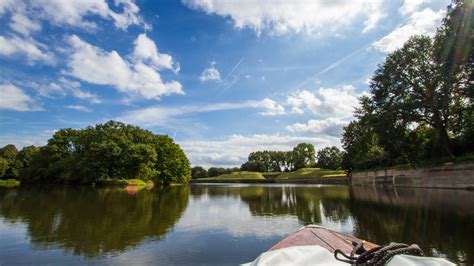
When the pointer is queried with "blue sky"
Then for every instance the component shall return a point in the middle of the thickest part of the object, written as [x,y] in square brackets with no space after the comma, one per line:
[223,78]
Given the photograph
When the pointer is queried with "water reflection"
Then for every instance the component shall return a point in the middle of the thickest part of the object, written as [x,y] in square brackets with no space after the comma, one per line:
[440,221]
[226,224]
[90,222]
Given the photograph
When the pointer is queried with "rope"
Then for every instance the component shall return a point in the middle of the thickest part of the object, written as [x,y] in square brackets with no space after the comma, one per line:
[378,255]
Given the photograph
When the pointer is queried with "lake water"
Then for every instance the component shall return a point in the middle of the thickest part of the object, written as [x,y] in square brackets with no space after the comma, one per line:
[221,224]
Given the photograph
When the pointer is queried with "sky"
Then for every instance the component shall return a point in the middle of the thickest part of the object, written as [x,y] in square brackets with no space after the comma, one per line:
[223,78]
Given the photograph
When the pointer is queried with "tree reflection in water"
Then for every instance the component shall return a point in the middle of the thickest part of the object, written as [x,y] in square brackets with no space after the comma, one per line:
[440,221]
[93,222]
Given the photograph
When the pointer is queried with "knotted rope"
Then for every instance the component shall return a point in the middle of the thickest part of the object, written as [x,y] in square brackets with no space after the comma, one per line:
[378,255]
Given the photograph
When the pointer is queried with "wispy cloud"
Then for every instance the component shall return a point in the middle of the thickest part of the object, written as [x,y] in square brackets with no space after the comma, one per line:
[159,115]
[78,108]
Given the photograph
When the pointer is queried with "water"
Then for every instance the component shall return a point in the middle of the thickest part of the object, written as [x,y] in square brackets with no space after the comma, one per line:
[221,224]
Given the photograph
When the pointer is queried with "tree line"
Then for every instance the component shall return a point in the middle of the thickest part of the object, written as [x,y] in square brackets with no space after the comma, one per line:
[421,102]
[112,150]
[301,156]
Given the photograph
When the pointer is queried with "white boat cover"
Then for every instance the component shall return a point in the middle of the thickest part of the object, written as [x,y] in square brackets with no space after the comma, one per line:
[317,255]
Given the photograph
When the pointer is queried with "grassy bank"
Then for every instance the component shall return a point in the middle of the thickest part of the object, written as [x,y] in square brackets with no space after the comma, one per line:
[301,174]
[237,176]
[9,183]
[308,173]
[124,182]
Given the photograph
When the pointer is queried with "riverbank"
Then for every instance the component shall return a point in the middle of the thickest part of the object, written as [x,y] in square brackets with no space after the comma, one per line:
[9,183]
[326,181]
[449,175]
[301,176]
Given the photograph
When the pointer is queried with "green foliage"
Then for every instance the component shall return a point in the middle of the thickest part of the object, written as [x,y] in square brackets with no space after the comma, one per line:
[303,155]
[330,158]
[198,172]
[277,161]
[108,151]
[9,183]
[421,104]
[217,171]
[13,163]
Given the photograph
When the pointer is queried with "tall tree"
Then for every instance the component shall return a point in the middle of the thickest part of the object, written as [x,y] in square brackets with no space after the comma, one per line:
[198,172]
[330,158]
[303,155]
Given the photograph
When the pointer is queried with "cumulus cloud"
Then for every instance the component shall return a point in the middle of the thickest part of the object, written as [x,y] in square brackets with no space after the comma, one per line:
[33,51]
[325,102]
[210,73]
[280,17]
[157,115]
[329,126]
[146,51]
[422,22]
[271,107]
[237,147]
[78,108]
[140,76]
[13,98]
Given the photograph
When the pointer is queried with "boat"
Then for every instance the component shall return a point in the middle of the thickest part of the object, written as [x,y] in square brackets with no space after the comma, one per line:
[317,245]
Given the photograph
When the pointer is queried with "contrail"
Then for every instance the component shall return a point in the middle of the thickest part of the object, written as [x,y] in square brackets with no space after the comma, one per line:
[228,75]
[331,66]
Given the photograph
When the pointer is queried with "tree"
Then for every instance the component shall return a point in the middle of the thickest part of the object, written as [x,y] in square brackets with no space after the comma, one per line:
[111,150]
[362,147]
[303,155]
[330,158]
[213,171]
[421,104]
[198,172]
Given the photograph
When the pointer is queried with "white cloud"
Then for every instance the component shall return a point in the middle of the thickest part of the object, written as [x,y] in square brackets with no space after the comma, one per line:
[22,24]
[13,98]
[78,108]
[157,115]
[22,139]
[7,5]
[326,102]
[234,150]
[33,50]
[210,73]
[422,22]
[271,107]
[62,88]
[146,51]
[280,17]
[76,13]
[92,64]
[49,90]
[329,126]
[410,6]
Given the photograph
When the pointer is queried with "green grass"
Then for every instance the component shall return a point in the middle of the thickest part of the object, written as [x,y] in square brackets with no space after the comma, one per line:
[236,176]
[271,175]
[125,182]
[308,173]
[9,183]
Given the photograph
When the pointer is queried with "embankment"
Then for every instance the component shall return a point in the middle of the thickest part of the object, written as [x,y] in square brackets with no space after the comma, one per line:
[449,175]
